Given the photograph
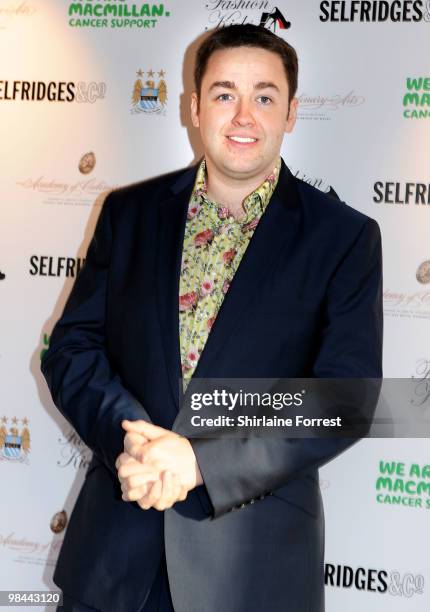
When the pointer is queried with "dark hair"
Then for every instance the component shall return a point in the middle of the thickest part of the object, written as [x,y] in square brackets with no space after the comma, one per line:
[247,35]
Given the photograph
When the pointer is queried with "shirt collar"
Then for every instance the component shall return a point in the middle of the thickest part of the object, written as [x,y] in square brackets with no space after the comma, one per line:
[255,203]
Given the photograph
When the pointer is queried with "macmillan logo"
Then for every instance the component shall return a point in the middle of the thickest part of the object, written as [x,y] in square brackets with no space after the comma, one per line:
[416,100]
[45,265]
[45,345]
[149,96]
[53,91]
[115,14]
[399,484]
[373,580]
[362,11]
[404,194]
[223,13]
[14,440]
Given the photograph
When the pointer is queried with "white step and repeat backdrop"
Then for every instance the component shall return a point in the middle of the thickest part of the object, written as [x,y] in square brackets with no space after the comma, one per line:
[70,131]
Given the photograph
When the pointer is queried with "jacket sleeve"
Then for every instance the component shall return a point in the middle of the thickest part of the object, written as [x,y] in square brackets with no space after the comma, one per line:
[235,470]
[83,385]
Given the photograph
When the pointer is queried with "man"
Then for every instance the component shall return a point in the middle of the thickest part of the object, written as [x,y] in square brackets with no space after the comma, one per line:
[233,269]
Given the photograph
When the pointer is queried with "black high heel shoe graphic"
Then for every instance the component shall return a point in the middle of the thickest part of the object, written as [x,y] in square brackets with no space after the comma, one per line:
[273,19]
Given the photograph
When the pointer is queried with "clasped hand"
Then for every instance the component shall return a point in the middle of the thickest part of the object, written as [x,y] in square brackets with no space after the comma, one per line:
[157,468]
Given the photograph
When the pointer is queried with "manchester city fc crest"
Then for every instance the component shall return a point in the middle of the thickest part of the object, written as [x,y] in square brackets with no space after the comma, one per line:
[15,442]
[149,95]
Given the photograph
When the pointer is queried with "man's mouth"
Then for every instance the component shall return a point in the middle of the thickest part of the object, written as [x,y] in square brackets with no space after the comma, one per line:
[242,139]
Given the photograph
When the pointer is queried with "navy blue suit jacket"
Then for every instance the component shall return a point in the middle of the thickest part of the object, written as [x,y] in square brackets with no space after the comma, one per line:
[305,302]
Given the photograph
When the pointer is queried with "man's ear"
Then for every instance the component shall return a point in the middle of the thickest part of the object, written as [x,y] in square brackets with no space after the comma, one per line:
[195,109]
[292,116]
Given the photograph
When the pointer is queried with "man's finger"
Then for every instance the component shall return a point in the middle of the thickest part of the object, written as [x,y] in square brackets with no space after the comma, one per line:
[153,494]
[144,428]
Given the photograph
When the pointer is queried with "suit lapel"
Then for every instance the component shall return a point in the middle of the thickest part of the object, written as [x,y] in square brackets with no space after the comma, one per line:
[173,215]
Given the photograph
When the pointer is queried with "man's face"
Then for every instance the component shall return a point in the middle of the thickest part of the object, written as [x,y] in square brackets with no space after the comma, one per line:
[244,95]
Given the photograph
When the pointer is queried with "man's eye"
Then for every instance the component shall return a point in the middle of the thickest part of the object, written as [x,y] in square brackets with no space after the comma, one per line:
[224,97]
[264,100]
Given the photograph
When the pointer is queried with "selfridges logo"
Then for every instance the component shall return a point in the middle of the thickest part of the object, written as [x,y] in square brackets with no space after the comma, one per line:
[401,484]
[52,91]
[223,13]
[115,14]
[379,581]
[45,265]
[416,99]
[403,194]
[375,11]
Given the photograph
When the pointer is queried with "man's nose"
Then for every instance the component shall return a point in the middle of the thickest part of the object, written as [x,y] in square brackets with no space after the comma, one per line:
[243,114]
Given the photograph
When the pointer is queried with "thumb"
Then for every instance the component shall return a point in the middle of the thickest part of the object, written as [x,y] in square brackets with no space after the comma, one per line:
[144,428]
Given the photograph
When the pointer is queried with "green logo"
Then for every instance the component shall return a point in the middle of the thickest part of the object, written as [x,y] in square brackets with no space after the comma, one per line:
[416,100]
[401,485]
[115,14]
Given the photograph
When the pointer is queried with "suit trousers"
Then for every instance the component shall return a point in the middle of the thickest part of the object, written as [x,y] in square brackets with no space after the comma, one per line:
[159,599]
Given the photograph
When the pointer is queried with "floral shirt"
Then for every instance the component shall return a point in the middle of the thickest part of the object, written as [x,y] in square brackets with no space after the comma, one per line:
[214,244]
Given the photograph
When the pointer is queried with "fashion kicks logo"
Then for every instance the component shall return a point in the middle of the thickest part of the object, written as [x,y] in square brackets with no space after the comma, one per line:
[149,96]
[375,11]
[223,13]
[380,581]
[115,14]
[416,100]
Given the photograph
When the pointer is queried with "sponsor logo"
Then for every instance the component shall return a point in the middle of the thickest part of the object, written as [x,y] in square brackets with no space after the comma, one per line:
[362,11]
[322,107]
[11,11]
[399,484]
[228,12]
[45,265]
[390,192]
[73,452]
[423,272]
[121,14]
[380,581]
[31,551]
[2,275]
[45,343]
[53,91]
[149,95]
[78,193]
[87,163]
[14,440]
[319,183]
[58,522]
[416,99]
